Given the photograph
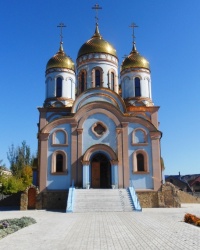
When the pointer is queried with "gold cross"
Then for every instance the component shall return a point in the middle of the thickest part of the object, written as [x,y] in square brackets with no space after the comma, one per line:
[97,8]
[133,26]
[61,26]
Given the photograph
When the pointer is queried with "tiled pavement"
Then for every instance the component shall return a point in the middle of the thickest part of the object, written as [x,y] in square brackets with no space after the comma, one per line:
[153,228]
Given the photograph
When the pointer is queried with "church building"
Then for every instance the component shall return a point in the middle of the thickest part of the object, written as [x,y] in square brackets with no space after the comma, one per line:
[98,125]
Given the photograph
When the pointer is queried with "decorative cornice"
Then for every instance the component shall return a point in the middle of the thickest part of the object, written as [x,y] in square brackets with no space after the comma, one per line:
[79,130]
[124,124]
[59,70]
[118,130]
[85,162]
[130,70]
[151,109]
[85,59]
[43,136]
[114,162]
[155,135]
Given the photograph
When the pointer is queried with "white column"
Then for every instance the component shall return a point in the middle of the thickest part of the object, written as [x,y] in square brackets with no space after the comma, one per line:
[114,174]
[86,173]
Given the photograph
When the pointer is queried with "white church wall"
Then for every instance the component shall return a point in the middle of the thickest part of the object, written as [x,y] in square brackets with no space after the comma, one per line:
[106,66]
[108,138]
[140,180]
[53,116]
[68,84]
[128,84]
[59,181]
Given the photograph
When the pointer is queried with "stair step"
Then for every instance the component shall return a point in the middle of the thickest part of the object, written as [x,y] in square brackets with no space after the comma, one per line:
[101,200]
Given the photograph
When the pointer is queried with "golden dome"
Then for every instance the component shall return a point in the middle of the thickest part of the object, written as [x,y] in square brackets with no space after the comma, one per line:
[97,45]
[135,60]
[60,60]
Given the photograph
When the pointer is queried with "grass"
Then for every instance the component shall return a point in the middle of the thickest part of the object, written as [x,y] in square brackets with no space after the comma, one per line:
[9,226]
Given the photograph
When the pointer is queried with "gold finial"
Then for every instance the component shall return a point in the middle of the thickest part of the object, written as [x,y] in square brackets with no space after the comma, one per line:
[97,8]
[61,26]
[133,26]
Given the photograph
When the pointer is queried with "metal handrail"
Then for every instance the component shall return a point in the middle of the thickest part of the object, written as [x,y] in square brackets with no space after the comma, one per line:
[134,197]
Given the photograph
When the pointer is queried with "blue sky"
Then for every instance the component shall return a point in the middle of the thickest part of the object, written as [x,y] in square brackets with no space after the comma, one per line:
[168,36]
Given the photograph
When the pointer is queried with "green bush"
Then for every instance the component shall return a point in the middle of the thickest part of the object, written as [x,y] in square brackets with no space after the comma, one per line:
[9,226]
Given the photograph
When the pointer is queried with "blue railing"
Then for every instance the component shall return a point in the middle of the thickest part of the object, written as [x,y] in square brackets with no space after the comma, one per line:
[133,195]
[70,199]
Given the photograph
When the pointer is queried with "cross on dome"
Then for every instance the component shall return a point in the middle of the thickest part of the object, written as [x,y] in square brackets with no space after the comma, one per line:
[96,7]
[133,26]
[61,26]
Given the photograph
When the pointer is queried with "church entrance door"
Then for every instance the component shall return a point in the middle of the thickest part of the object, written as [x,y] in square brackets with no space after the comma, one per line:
[101,172]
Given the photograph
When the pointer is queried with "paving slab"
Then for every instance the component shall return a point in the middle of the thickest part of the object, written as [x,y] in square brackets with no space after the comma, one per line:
[151,229]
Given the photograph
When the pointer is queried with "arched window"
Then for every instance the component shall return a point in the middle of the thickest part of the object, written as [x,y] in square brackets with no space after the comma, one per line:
[140,162]
[59,137]
[137,87]
[112,80]
[59,87]
[97,78]
[139,136]
[82,87]
[59,163]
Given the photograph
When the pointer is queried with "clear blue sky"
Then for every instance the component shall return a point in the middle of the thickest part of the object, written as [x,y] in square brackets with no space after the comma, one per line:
[168,36]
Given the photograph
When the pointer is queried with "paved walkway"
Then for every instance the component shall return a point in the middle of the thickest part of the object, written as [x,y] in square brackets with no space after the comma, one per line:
[153,228]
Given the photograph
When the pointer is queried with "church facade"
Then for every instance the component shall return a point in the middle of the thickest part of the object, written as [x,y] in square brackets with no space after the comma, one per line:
[98,128]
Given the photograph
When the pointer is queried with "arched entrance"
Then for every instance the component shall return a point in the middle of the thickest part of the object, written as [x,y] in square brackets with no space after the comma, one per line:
[100,167]
[100,171]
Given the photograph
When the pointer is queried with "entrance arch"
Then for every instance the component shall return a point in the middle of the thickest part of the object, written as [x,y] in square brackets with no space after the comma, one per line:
[100,167]
[100,171]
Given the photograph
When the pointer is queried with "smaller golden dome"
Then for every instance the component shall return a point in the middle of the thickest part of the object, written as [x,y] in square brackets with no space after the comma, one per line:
[97,45]
[135,60]
[60,60]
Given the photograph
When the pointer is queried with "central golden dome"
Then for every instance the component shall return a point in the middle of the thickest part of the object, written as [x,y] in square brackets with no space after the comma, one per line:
[97,45]
[60,60]
[135,60]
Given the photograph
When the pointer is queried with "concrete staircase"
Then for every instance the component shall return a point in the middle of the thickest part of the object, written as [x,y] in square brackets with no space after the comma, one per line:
[102,200]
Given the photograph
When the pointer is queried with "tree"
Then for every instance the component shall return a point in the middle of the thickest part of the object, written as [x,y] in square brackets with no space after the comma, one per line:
[2,167]
[19,157]
[27,175]
[11,184]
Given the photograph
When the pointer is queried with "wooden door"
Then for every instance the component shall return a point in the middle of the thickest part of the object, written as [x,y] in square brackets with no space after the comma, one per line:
[96,174]
[31,198]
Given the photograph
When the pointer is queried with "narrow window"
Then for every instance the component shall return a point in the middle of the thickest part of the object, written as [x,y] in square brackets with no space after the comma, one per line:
[112,80]
[59,163]
[82,87]
[97,78]
[59,87]
[108,81]
[140,162]
[137,87]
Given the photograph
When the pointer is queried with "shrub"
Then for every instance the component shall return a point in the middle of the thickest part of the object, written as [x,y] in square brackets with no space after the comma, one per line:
[12,225]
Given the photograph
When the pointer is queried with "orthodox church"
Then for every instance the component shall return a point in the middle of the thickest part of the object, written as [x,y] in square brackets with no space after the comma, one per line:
[98,127]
